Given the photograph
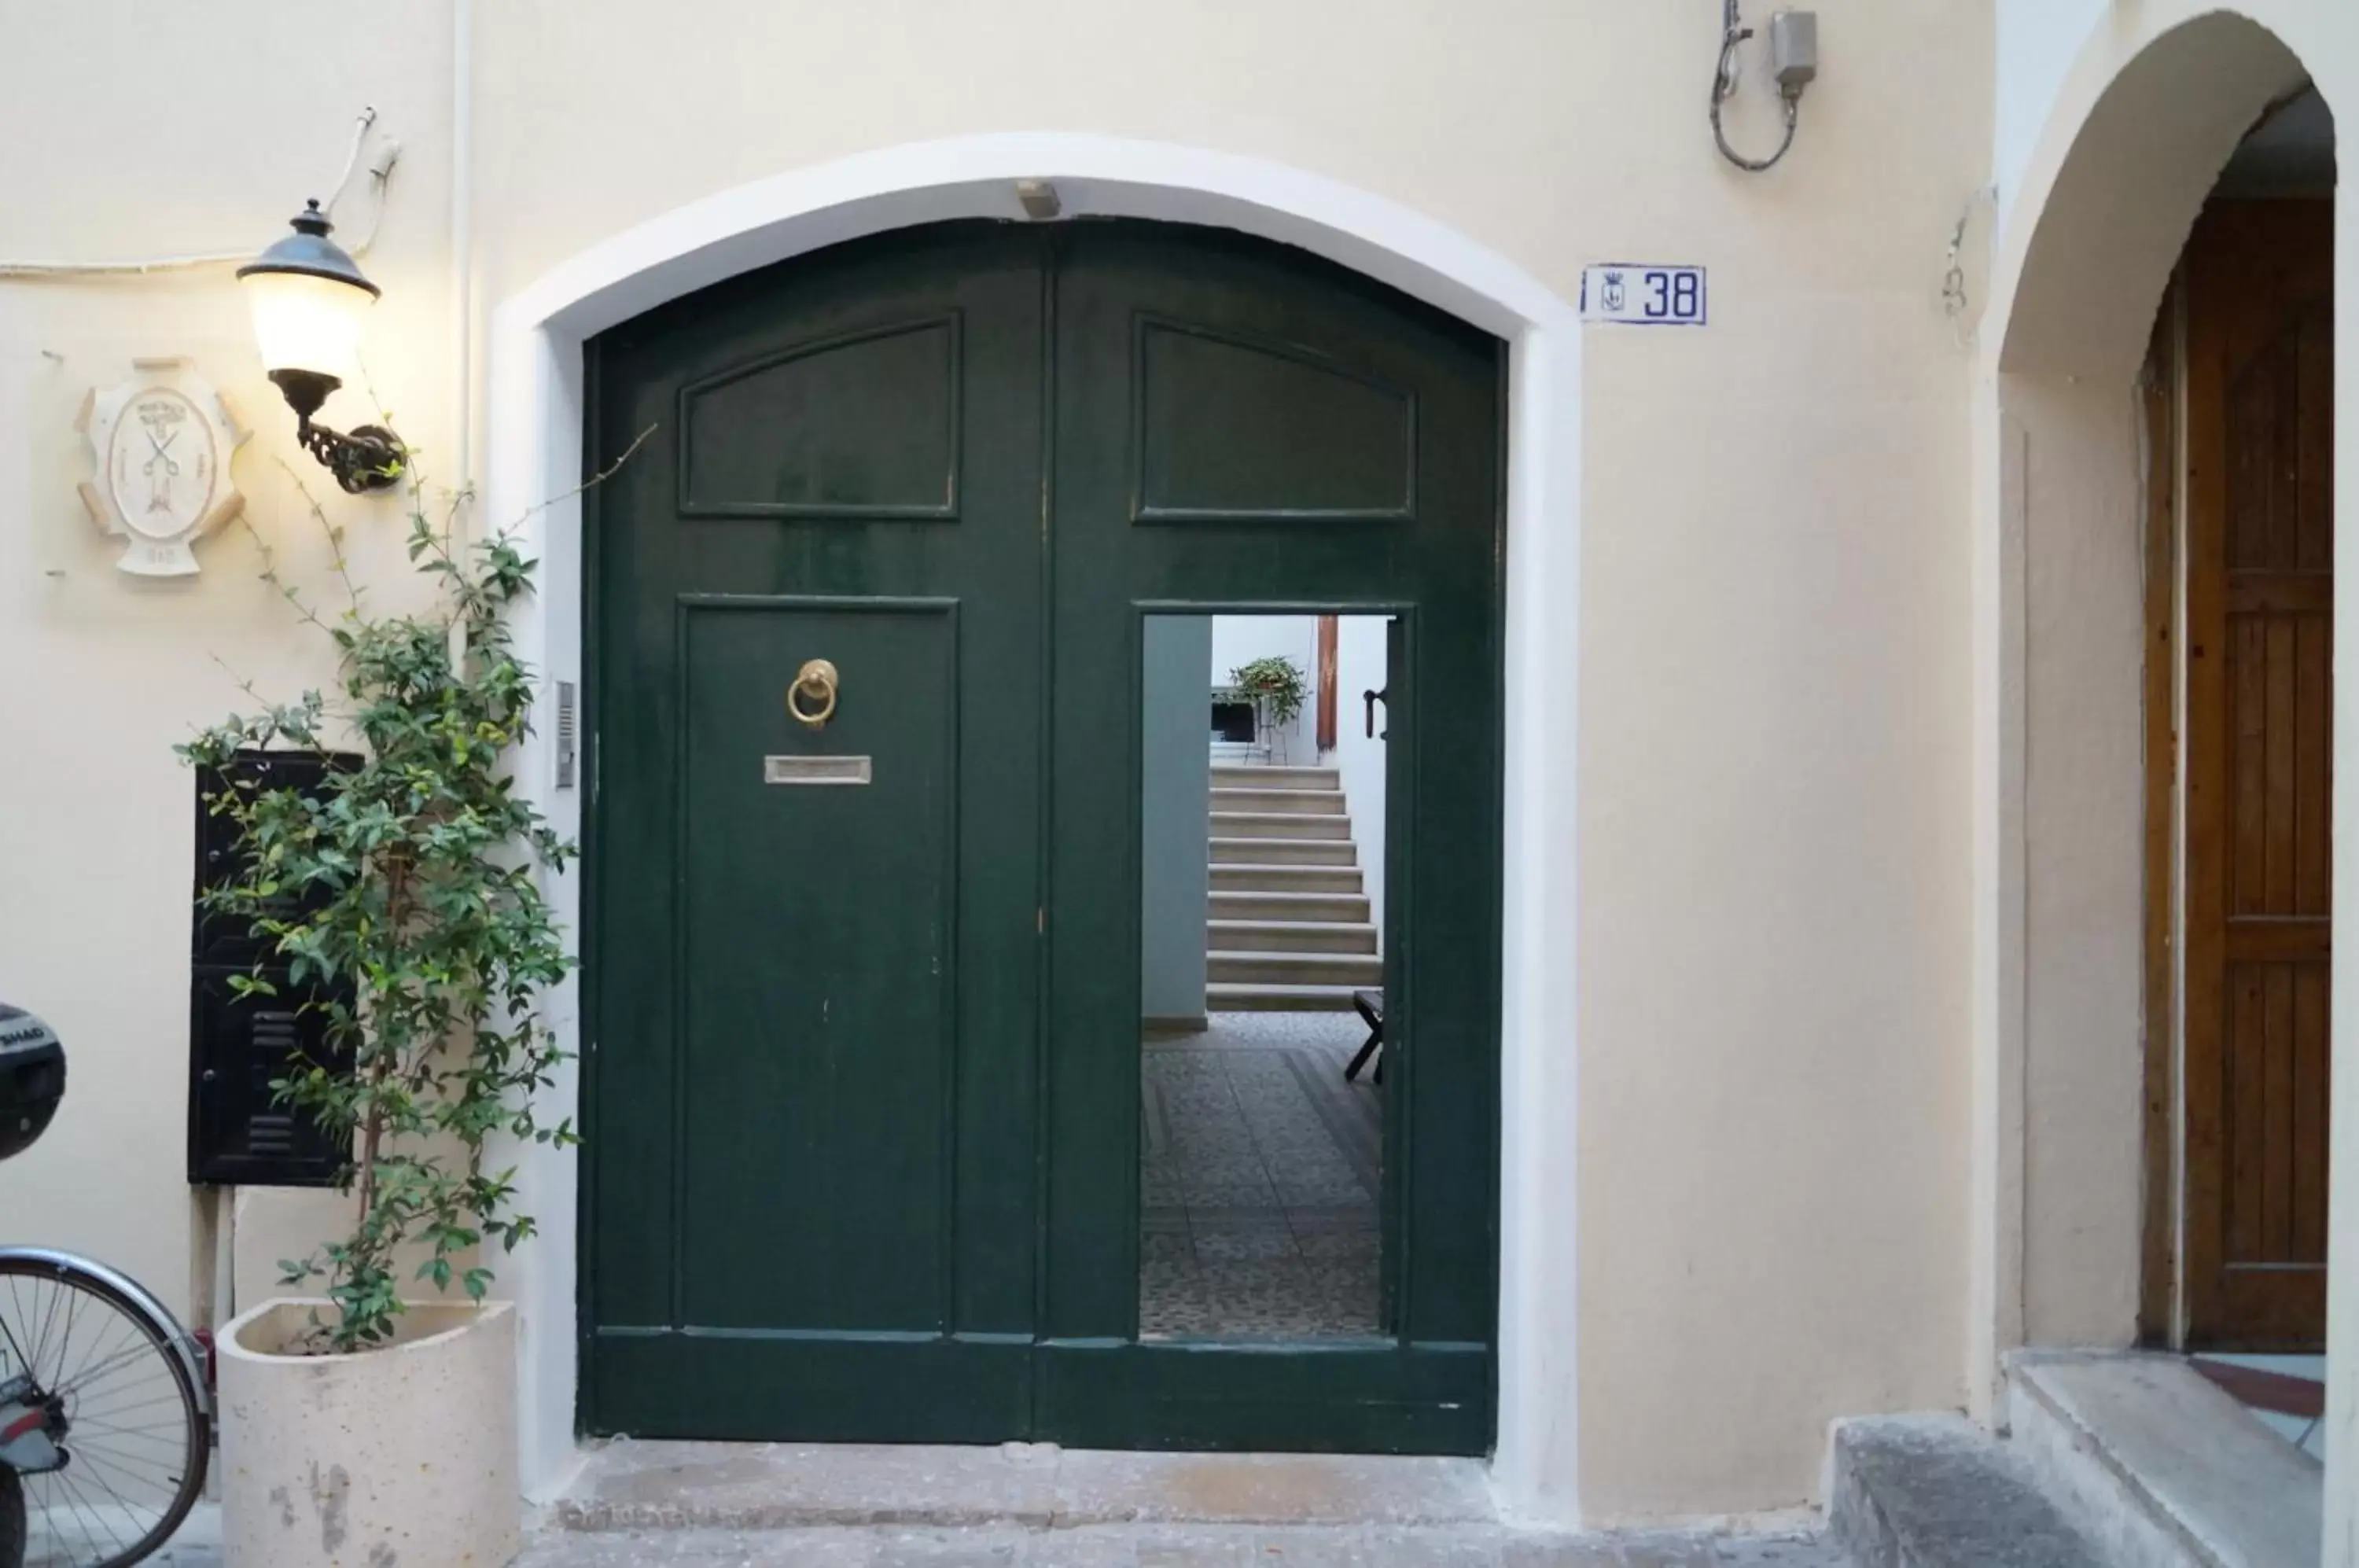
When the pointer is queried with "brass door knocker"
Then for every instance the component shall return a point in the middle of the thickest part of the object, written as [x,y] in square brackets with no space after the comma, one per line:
[815,681]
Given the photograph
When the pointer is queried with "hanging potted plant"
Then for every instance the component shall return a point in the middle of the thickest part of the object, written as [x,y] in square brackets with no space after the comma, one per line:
[1278,688]
[372,1417]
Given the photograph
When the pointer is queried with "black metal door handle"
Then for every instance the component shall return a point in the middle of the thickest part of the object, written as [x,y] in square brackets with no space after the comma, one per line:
[1372,699]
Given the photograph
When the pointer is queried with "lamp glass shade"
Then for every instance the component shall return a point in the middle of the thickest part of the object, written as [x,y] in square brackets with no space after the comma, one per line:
[306,322]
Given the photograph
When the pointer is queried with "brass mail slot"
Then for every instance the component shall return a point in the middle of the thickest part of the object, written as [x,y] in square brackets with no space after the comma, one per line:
[815,770]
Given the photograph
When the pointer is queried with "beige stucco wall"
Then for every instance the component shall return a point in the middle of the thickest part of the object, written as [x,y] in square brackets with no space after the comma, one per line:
[1774,790]
[135,131]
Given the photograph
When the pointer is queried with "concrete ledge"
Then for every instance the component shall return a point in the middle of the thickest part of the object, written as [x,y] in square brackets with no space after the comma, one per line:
[2160,1464]
[1936,1491]
[1178,1546]
[629,1486]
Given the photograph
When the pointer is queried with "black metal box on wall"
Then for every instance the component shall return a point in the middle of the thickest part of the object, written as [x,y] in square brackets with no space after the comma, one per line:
[238,1134]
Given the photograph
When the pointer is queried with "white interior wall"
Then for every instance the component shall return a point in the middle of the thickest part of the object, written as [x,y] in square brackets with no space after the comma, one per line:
[1360,667]
[1175,791]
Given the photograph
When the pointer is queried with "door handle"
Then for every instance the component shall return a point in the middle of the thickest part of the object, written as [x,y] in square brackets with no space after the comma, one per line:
[815,681]
[1372,699]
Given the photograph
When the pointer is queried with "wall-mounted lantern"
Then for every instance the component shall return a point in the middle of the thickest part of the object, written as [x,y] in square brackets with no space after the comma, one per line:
[310,301]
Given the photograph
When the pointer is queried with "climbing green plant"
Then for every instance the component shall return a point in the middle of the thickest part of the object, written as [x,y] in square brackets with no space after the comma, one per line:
[1278,680]
[401,898]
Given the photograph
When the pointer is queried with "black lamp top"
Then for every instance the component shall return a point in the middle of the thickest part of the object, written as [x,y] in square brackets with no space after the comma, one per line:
[309,253]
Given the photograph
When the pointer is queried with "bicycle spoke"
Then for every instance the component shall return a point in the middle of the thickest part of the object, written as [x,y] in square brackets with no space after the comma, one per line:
[96,1511]
[87,1522]
[171,1398]
[15,1348]
[65,1341]
[162,1431]
[142,1517]
[111,1379]
[101,1340]
[86,1373]
[48,1322]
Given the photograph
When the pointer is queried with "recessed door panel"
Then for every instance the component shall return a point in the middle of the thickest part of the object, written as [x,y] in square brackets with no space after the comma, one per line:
[1232,427]
[860,424]
[817,1018]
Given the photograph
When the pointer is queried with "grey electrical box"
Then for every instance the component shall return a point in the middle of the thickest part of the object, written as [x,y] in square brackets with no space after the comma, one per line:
[1794,50]
[568,730]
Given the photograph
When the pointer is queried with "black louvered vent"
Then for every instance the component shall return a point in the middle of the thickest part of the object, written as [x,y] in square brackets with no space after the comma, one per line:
[237,1133]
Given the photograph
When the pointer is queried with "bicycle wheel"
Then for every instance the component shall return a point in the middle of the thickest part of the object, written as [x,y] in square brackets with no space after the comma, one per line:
[126,1430]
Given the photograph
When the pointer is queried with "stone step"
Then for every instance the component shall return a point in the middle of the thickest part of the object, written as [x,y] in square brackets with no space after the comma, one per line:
[1278,824]
[1235,998]
[1346,969]
[1348,908]
[805,1505]
[1283,852]
[1936,1491]
[1230,777]
[672,1485]
[1151,1543]
[1307,802]
[2160,1464]
[1288,936]
[1257,877]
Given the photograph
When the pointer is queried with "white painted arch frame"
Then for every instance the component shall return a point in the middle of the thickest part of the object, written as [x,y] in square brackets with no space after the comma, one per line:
[534,446]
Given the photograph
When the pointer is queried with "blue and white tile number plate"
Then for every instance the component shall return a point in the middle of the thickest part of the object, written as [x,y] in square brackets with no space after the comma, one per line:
[1642,296]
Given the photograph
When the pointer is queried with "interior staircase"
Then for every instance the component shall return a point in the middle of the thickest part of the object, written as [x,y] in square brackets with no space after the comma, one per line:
[1287,927]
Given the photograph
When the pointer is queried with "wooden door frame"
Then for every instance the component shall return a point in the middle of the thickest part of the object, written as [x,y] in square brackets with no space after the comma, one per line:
[2162,411]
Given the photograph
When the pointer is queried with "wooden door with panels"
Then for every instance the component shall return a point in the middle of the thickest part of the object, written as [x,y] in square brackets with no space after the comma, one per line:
[2258,278]
[862,1087]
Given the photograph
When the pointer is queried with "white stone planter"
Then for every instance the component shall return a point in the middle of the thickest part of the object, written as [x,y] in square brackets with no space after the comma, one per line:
[400,1457]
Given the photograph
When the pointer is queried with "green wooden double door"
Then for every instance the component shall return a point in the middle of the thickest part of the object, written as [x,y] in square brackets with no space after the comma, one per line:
[863,1072]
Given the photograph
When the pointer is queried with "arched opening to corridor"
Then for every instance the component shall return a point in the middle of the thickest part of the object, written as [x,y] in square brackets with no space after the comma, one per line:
[2156,617]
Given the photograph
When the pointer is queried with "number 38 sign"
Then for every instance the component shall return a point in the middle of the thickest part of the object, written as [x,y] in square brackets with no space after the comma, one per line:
[1643,296]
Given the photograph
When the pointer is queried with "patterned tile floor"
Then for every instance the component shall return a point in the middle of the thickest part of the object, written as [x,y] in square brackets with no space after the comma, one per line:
[2300,1421]
[1259,1173]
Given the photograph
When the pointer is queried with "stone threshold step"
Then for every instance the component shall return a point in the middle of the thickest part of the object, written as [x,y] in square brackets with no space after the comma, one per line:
[1295,803]
[2160,1463]
[1294,968]
[1228,777]
[1289,936]
[1241,996]
[1283,852]
[1936,1491]
[653,1485]
[1249,878]
[1278,824]
[1180,1546]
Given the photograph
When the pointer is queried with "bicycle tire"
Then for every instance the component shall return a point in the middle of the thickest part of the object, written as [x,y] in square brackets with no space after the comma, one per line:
[12,1519]
[146,1341]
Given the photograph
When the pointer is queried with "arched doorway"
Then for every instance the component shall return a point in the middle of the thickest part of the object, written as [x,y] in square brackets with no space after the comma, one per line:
[862,1136]
[2153,1044]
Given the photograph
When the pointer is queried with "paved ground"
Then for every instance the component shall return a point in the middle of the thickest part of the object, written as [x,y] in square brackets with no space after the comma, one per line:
[1172,1546]
[1117,1546]
[714,1505]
